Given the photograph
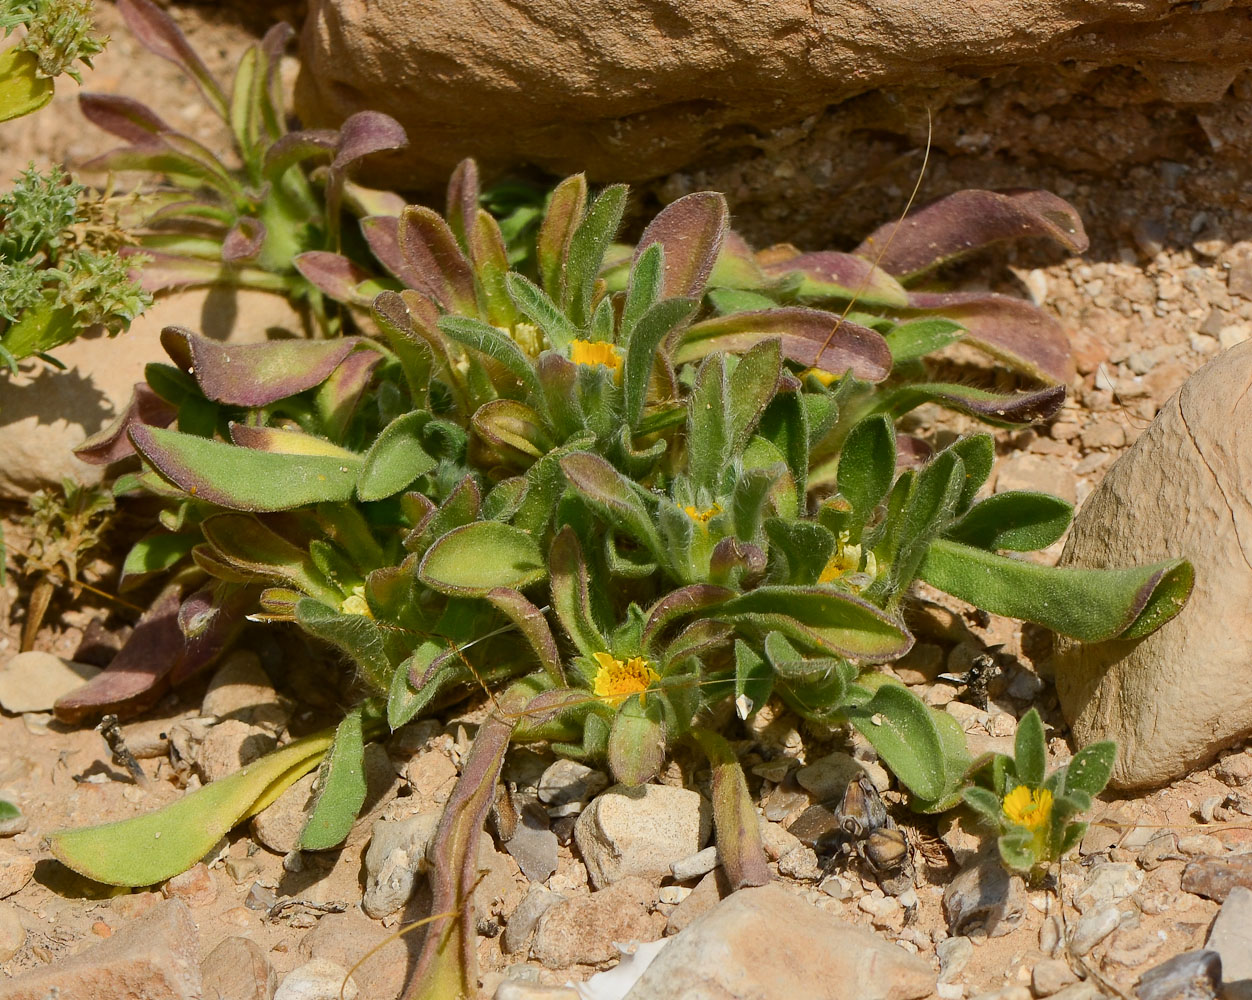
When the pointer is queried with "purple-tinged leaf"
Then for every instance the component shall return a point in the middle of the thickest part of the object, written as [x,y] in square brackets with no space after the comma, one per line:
[691,231]
[158,33]
[170,153]
[514,430]
[335,276]
[434,259]
[968,221]
[295,147]
[476,558]
[256,374]
[1009,329]
[209,620]
[912,452]
[828,274]
[732,560]
[249,545]
[448,964]
[1008,410]
[565,212]
[382,233]
[341,393]
[808,336]
[463,193]
[738,830]
[491,266]
[241,478]
[244,241]
[286,442]
[822,618]
[680,603]
[737,266]
[366,201]
[533,625]
[364,133]
[547,706]
[637,741]
[112,443]
[158,271]
[124,117]
[701,636]
[209,214]
[273,46]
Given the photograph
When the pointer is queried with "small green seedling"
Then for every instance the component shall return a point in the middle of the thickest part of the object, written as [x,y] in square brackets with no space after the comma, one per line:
[59,33]
[1035,816]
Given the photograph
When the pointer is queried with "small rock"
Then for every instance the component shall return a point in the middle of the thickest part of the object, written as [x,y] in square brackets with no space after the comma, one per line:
[278,827]
[961,833]
[1100,434]
[395,856]
[1197,844]
[195,886]
[379,960]
[522,921]
[709,891]
[432,774]
[238,969]
[1158,849]
[533,845]
[513,989]
[984,900]
[16,869]
[1080,991]
[241,690]
[317,979]
[230,746]
[12,933]
[152,958]
[827,778]
[1050,935]
[1024,686]
[700,863]
[1231,938]
[581,931]
[800,863]
[954,954]
[1235,770]
[734,951]
[640,831]
[1051,976]
[33,681]
[777,840]
[1193,975]
[1109,883]
[567,786]
[1093,927]
[1133,948]
[1214,878]
[1098,839]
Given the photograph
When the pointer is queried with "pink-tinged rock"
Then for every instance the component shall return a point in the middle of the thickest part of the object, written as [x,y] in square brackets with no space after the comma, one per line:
[195,886]
[239,969]
[152,958]
[1174,700]
[581,931]
[768,944]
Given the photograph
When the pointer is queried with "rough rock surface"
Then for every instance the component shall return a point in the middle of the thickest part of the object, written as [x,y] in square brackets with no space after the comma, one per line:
[641,88]
[766,943]
[1175,699]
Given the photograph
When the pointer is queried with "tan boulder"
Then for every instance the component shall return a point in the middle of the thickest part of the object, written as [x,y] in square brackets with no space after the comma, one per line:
[1176,698]
[635,89]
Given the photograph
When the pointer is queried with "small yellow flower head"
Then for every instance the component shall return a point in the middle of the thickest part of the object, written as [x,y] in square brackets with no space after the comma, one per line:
[1028,807]
[845,560]
[616,681]
[355,604]
[596,352]
[703,516]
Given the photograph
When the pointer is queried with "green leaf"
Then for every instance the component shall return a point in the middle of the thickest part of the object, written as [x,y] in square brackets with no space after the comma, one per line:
[151,848]
[395,458]
[404,702]
[360,637]
[636,742]
[243,478]
[541,311]
[901,729]
[1014,520]
[1087,604]
[739,845]
[978,454]
[1091,768]
[916,339]
[1030,750]
[22,90]
[565,211]
[997,409]
[40,328]
[754,680]
[586,252]
[154,554]
[496,345]
[571,599]
[985,802]
[647,336]
[753,383]
[245,543]
[342,788]
[475,558]
[867,466]
[615,496]
[8,811]
[643,290]
[1017,849]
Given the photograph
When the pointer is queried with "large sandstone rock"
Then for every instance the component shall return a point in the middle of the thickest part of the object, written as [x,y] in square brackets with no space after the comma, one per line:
[635,89]
[46,413]
[1174,699]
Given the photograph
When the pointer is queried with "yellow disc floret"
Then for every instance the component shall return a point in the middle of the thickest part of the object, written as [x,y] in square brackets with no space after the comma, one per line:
[702,516]
[1028,807]
[846,560]
[617,680]
[596,352]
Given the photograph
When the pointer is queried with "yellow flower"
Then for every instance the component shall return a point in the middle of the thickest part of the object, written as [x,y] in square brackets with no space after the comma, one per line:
[1028,807]
[616,681]
[702,516]
[596,352]
[845,560]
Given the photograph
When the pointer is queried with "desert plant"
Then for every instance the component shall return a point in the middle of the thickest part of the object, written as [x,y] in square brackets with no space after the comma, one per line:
[215,223]
[58,34]
[1034,815]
